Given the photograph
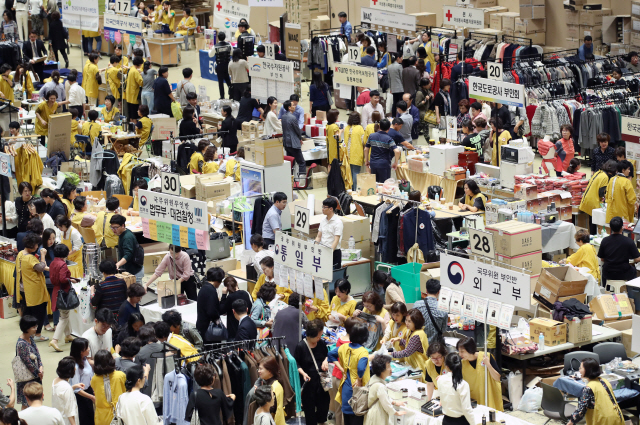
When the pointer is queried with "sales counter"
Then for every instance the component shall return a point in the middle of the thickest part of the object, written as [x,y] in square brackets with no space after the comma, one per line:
[165,51]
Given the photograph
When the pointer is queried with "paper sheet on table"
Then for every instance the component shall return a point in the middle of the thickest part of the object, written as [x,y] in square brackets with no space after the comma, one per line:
[595,333]
[308,285]
[451,341]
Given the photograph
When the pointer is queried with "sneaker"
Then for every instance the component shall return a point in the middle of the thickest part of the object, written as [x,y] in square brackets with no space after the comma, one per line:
[40,338]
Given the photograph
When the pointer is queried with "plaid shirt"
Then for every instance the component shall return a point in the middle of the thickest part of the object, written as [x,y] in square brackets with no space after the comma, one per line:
[439,316]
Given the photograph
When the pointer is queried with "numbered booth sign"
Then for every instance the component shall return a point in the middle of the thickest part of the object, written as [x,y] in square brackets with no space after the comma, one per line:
[171,183]
[208,66]
[494,71]
[481,243]
[354,54]
[301,222]
[123,7]
[269,51]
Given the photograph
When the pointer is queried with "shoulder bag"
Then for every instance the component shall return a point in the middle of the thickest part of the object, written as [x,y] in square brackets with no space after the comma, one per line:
[67,300]
[328,95]
[439,335]
[138,255]
[107,391]
[325,378]
[20,371]
[216,332]
[195,417]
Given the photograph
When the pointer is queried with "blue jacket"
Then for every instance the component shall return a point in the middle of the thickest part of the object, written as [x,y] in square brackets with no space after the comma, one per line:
[584,52]
[318,96]
[367,60]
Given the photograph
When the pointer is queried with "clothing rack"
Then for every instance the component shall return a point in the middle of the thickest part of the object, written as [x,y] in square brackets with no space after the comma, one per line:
[166,348]
[223,346]
[560,54]
[480,37]
[517,40]
[233,221]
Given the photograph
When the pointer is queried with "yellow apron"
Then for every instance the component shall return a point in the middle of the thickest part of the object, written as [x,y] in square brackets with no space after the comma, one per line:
[193,162]
[418,360]
[210,167]
[35,287]
[430,369]
[77,270]
[475,378]
[398,332]
[382,314]
[69,205]
[345,309]
[605,412]
[620,198]
[323,308]
[469,200]
[349,359]
[591,198]
[108,115]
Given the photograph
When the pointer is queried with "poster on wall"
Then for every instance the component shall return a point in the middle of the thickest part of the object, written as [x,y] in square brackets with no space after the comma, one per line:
[227,14]
[387,21]
[81,14]
[392,5]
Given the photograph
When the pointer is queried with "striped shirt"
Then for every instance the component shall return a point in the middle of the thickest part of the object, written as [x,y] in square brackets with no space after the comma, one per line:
[111,293]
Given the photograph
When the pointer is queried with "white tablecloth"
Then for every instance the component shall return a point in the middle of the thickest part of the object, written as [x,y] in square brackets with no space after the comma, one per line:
[315,154]
[562,237]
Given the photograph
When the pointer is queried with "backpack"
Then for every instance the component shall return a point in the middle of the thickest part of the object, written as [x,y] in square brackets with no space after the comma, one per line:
[345,200]
[138,255]
[359,402]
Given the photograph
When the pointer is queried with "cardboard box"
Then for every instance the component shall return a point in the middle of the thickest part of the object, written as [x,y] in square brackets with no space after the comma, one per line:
[227,264]
[625,327]
[593,17]
[536,38]
[269,152]
[7,310]
[514,238]
[188,186]
[526,191]
[307,145]
[356,226]
[425,18]
[163,126]
[579,330]
[611,307]
[59,134]
[322,22]
[572,17]
[477,4]
[635,8]
[573,31]
[152,261]
[531,261]
[635,38]
[555,282]
[555,333]
[210,186]
[509,20]
[528,11]
[594,31]
[351,254]
[530,26]
[319,180]
[488,12]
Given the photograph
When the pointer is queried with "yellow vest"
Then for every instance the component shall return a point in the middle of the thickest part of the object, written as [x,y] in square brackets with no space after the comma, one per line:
[145,131]
[186,348]
[605,412]
[332,144]
[621,199]
[354,140]
[585,256]
[349,359]
[278,391]
[89,82]
[285,292]
[91,129]
[188,22]
[470,200]
[193,162]
[76,218]
[111,238]
[496,155]
[108,115]
[114,81]
[6,89]
[323,308]
[69,205]
[74,131]
[430,369]
[398,332]
[591,198]
[231,165]
[134,84]
[35,287]
[45,112]
[345,309]
[475,378]
[168,18]
[210,167]
[124,61]
[418,360]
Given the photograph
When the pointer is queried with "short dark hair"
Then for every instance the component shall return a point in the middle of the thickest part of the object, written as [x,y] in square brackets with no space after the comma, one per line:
[64,221]
[623,165]
[256,239]
[27,322]
[330,203]
[385,124]
[313,327]
[147,334]
[468,124]
[332,116]
[93,115]
[118,219]
[104,315]
[260,49]
[582,235]
[399,307]
[279,197]
[136,290]
[379,364]
[294,300]
[24,185]
[359,333]
[402,105]
[162,330]
[187,72]
[15,124]
[371,50]
[445,82]
[267,261]
[41,205]
[31,240]
[620,151]
[374,93]
[130,347]
[374,299]
[480,122]
[60,250]
[79,202]
[610,166]
[239,306]
[172,318]
[144,110]
[191,95]
[343,285]
[416,317]
[103,363]
[616,224]
[140,184]
[603,137]
[588,38]
[215,274]
[262,395]
[477,106]
[469,344]
[286,105]
[267,292]
[204,374]
[591,368]
[342,15]
[567,127]
[114,59]
[108,266]
[112,204]
[109,97]
[437,347]
[294,98]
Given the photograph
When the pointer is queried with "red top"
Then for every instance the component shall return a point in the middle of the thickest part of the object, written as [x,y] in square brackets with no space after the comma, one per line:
[336,371]
[59,274]
[363,98]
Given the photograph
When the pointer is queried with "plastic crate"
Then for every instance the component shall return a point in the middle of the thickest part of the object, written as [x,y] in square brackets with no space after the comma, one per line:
[409,277]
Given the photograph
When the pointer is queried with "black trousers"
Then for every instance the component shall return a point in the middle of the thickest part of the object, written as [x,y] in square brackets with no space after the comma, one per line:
[397,97]
[189,287]
[315,404]
[382,174]
[223,77]
[86,413]
[627,275]
[64,54]
[353,419]
[39,312]
[297,154]
[268,242]
[337,259]
[448,420]
[238,90]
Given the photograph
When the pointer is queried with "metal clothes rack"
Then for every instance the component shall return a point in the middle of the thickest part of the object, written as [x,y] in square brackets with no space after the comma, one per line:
[233,221]
[522,41]
[559,54]
[166,348]
[226,345]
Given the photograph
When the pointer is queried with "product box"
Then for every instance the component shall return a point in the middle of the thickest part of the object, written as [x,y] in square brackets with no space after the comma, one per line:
[635,38]
[210,186]
[625,327]
[227,264]
[556,282]
[579,330]
[152,261]
[322,22]
[188,186]
[163,126]
[594,31]
[620,48]
[530,26]
[496,21]
[319,179]
[573,31]
[59,133]
[573,43]
[509,21]
[531,261]
[635,8]
[514,238]
[555,333]
[269,152]
[593,17]
[488,12]
[526,191]
[610,307]
[425,18]
[356,226]
[528,11]
[572,17]
[7,310]
[419,164]
[351,254]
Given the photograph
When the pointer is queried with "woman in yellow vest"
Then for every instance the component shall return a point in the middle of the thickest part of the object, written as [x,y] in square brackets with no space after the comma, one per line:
[596,189]
[168,16]
[585,256]
[91,128]
[74,126]
[473,364]
[354,136]
[113,75]
[474,200]
[372,128]
[45,109]
[68,195]
[197,158]
[374,305]
[342,305]
[89,81]
[319,308]
[333,135]
[434,367]
[354,360]
[134,86]
[6,82]
[269,372]
[102,227]
[110,109]
[425,41]
[499,137]
[597,401]
[135,186]
[144,124]
[186,26]
[31,282]
[415,343]
[267,276]
[70,237]
[397,328]
[210,163]
[232,168]
[621,197]
[79,217]
[124,61]
[104,369]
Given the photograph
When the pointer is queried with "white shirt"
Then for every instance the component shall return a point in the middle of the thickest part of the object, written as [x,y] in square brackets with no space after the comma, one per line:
[142,46]
[97,342]
[76,238]
[63,399]
[76,95]
[272,125]
[47,222]
[455,402]
[136,408]
[21,7]
[41,415]
[35,6]
[330,229]
[12,216]
[259,256]
[82,376]
[368,110]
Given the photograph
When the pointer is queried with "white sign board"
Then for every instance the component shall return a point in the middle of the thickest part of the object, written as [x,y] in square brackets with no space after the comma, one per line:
[452,127]
[81,14]
[354,54]
[469,307]
[123,7]
[266,3]
[630,129]
[227,14]
[392,5]
[481,243]
[5,164]
[269,51]
[170,183]
[354,75]
[301,219]
[270,69]
[635,336]
[463,17]
[387,21]
[496,91]
[304,256]
[173,210]
[128,24]
[494,71]
[481,280]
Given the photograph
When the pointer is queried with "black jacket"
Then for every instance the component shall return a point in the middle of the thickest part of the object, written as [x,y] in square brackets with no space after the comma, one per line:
[229,139]
[208,307]
[226,308]
[161,99]
[246,330]
[260,208]
[57,35]
[27,50]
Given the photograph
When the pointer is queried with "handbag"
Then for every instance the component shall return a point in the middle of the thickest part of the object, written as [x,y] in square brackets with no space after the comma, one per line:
[325,378]
[67,300]
[195,417]
[20,371]
[107,391]
[430,117]
[404,186]
[43,13]
[329,96]
[216,332]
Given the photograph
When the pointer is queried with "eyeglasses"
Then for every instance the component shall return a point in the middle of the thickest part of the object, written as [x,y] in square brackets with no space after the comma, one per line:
[114,228]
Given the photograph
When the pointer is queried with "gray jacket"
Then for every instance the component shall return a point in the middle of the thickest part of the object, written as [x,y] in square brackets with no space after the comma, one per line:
[182,89]
[410,79]
[291,133]
[405,130]
[395,78]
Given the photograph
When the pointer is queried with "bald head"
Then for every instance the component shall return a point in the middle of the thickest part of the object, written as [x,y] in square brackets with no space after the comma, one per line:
[407,98]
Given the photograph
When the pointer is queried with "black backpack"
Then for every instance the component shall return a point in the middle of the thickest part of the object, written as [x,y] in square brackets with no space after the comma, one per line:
[345,200]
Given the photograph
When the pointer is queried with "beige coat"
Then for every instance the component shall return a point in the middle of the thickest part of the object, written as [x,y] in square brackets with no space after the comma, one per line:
[393,294]
[381,412]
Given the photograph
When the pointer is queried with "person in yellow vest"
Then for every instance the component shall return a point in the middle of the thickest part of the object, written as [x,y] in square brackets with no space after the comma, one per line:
[6,82]
[69,193]
[45,109]
[374,305]
[621,197]
[434,367]
[110,110]
[373,127]
[102,231]
[333,135]
[354,360]
[137,185]
[397,328]
[319,308]
[232,167]
[70,237]
[157,10]
[31,282]
[74,126]
[89,81]
[342,305]
[268,372]
[210,160]
[415,343]
[354,136]
[144,124]
[186,27]
[91,128]
[124,61]
[168,16]
[113,75]
[425,41]
[197,158]
[585,256]
[474,200]
[597,401]
[499,137]
[473,364]
[267,276]
[80,217]
[134,86]
[595,191]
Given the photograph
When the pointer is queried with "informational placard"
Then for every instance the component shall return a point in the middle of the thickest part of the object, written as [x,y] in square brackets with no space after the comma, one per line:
[304,256]
[123,7]
[81,14]
[463,17]
[318,288]
[457,298]
[435,44]
[355,75]
[292,42]
[123,24]
[444,299]
[170,183]
[452,128]
[354,54]
[506,313]
[633,151]
[301,219]
[496,91]
[630,129]
[270,69]
[387,21]
[482,280]
[392,5]
[468,312]
[207,66]
[227,14]
[493,313]
[494,71]
[453,51]
[266,3]
[481,243]
[392,43]
[269,51]
[5,164]
[480,313]
[172,219]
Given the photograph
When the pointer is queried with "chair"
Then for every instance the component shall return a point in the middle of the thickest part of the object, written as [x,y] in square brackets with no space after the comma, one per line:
[616,286]
[193,36]
[579,356]
[87,234]
[125,200]
[554,406]
[307,180]
[608,351]
[100,194]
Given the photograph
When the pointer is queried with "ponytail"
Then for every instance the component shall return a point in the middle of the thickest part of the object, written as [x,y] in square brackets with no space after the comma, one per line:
[134,374]
[49,193]
[454,364]
[9,416]
[55,77]
[146,66]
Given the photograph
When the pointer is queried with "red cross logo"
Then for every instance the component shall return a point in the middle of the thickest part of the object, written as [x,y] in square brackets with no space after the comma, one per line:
[449,15]
[336,69]
[375,2]
[219,6]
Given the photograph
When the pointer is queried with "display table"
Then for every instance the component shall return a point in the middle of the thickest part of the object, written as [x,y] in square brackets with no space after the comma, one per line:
[422,181]
[153,312]
[165,51]
[558,236]
[315,154]
[7,268]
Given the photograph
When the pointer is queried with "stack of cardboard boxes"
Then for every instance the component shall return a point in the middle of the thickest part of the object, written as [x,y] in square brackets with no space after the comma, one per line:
[518,244]
[528,21]
[615,311]
[310,14]
[586,21]
[212,187]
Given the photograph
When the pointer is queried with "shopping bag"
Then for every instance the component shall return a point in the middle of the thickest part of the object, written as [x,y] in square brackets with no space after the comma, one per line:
[366,184]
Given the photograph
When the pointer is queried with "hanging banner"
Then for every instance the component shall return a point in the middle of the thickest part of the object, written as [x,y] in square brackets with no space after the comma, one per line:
[227,14]
[172,219]
[496,91]
[304,256]
[270,69]
[81,14]
[121,23]
[392,5]
[292,41]
[389,22]
[355,75]
[463,17]
[487,281]
[207,66]
[630,129]
[266,3]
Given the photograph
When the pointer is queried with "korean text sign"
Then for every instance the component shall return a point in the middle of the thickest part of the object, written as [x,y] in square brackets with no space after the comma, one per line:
[128,24]
[463,17]
[172,219]
[304,256]
[376,18]
[271,69]
[496,91]
[392,5]
[355,75]
[486,281]
[227,14]
[81,14]
[630,129]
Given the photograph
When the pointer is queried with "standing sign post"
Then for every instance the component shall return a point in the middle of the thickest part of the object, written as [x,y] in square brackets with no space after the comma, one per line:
[227,14]
[463,17]
[496,91]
